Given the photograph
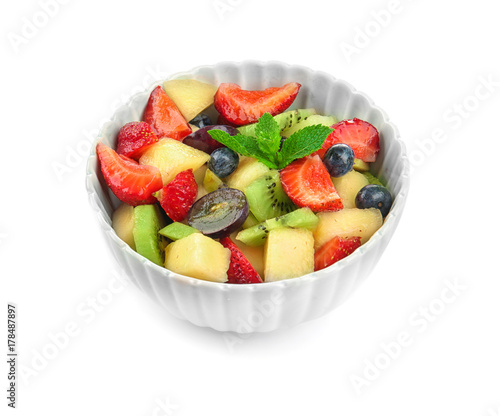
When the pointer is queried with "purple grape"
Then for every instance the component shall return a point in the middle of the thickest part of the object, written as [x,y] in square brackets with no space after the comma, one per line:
[201,140]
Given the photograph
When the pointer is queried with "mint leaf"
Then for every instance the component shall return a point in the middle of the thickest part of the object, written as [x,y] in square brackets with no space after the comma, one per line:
[302,143]
[268,135]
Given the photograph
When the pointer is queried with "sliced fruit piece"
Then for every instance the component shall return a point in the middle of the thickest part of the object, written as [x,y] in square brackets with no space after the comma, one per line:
[122,221]
[242,107]
[177,230]
[211,181]
[255,255]
[289,253]
[334,250]
[147,222]
[257,235]
[248,170]
[307,183]
[134,139]
[360,135]
[240,270]
[201,140]
[132,183]
[171,157]
[373,179]
[284,120]
[198,256]
[310,121]
[360,166]
[250,221]
[190,95]
[164,116]
[348,186]
[177,197]
[199,174]
[219,213]
[347,223]
[266,197]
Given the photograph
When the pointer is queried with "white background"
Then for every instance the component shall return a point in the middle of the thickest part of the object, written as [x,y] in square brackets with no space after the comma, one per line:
[424,64]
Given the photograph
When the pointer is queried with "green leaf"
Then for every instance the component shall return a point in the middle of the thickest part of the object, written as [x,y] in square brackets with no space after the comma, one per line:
[268,134]
[302,143]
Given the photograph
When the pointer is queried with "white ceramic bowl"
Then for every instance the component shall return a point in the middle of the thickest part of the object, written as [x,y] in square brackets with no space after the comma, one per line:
[268,306]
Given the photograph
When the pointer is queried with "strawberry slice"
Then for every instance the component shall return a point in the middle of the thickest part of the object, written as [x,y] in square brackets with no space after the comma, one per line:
[164,116]
[360,135]
[134,139]
[240,270]
[177,196]
[132,183]
[308,184]
[242,107]
[334,250]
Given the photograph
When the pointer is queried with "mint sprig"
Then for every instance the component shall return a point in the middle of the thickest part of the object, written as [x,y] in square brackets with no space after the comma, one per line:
[265,146]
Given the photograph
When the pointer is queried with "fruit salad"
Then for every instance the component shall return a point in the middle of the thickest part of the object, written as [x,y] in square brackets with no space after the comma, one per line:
[229,185]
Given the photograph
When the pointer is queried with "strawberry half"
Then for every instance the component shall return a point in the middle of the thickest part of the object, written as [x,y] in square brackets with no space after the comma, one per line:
[334,250]
[177,196]
[134,139]
[242,107]
[308,184]
[360,135]
[164,116]
[132,183]
[240,270]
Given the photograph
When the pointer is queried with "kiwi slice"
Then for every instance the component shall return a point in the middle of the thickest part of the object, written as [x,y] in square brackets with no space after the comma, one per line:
[147,222]
[310,121]
[266,197]
[177,230]
[257,235]
[285,120]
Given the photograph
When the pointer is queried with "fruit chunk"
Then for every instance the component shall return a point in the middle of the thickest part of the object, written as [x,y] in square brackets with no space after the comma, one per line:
[360,166]
[122,221]
[310,121]
[248,170]
[284,120]
[190,95]
[198,256]
[307,182]
[211,181]
[266,197]
[360,135]
[178,195]
[132,183]
[352,222]
[334,250]
[289,253]
[164,117]
[134,139]
[348,186]
[257,234]
[240,270]
[242,107]
[177,230]
[172,157]
[147,223]
[219,213]
[255,255]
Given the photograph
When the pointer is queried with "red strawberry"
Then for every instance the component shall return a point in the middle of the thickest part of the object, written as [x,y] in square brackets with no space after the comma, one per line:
[134,139]
[240,270]
[360,135]
[132,183]
[334,250]
[164,116]
[177,196]
[242,107]
[308,184]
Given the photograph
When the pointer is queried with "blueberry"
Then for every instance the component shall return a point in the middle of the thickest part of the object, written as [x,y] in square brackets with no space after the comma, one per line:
[223,161]
[374,196]
[339,160]
[201,120]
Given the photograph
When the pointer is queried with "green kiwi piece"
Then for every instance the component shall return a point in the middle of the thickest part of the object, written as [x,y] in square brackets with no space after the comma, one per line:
[266,197]
[310,121]
[257,235]
[177,230]
[147,222]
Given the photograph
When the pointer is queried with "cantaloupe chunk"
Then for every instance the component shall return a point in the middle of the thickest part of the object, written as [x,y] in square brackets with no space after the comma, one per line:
[123,223]
[171,157]
[198,256]
[351,222]
[288,253]
[190,96]
[348,186]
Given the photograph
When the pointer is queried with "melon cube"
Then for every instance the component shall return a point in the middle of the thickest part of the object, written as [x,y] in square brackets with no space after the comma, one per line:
[172,157]
[346,223]
[289,253]
[247,171]
[348,186]
[198,256]
[123,223]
